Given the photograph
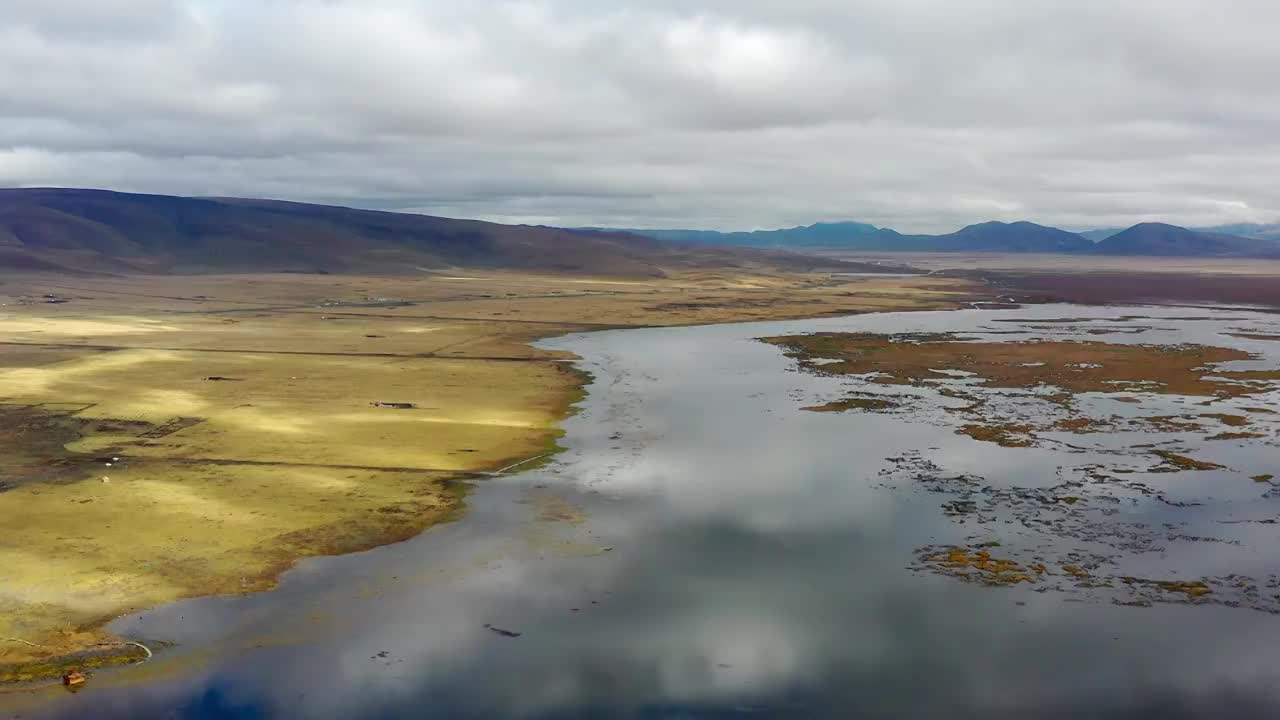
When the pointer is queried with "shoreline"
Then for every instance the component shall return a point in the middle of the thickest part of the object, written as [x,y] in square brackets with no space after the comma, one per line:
[43,671]
[682,510]
[19,676]
[570,389]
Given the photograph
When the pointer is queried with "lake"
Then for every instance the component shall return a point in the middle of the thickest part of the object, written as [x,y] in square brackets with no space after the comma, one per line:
[706,548]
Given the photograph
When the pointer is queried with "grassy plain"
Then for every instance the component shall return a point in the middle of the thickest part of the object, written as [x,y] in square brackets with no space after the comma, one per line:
[172,437]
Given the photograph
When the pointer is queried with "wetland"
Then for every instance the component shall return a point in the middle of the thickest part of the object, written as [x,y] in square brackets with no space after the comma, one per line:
[707,545]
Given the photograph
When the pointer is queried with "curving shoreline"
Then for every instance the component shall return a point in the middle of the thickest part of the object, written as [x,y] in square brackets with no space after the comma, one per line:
[657,543]
[306,491]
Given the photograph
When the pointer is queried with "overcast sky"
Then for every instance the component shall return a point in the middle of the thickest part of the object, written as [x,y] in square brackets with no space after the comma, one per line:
[922,115]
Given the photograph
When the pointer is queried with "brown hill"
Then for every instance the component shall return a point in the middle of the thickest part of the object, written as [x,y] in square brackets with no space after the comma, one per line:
[103,231]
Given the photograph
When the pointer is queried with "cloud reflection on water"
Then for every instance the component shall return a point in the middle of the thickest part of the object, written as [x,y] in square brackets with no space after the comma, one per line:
[756,570]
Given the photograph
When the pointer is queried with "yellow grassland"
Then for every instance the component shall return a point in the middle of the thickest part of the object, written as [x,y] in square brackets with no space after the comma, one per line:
[224,483]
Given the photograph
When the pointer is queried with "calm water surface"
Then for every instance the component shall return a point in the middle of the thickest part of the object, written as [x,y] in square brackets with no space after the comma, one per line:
[707,549]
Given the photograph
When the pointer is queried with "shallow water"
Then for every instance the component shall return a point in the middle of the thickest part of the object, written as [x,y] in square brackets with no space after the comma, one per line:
[707,549]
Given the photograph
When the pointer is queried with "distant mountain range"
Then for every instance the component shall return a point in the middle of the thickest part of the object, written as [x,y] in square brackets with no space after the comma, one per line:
[1161,239]
[1256,231]
[1155,239]
[103,231]
[1019,236]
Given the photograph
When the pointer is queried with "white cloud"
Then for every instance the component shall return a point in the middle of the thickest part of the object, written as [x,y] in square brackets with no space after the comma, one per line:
[919,114]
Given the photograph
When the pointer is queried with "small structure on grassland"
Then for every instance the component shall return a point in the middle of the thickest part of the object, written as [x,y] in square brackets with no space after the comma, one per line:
[395,405]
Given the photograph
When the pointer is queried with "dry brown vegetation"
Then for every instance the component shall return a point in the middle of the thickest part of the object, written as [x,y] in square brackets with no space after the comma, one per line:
[1054,372]
[1096,280]
[1002,434]
[855,403]
[978,565]
[1174,461]
[1072,366]
[242,410]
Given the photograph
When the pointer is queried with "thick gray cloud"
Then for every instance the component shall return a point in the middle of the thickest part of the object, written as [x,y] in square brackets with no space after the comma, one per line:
[917,114]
